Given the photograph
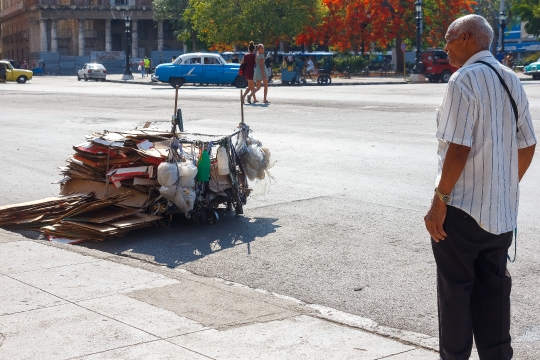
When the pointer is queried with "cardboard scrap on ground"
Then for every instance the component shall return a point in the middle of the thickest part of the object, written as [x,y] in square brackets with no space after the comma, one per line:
[77,216]
[34,214]
[86,229]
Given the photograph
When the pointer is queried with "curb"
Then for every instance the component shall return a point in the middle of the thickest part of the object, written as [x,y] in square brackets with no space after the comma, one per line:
[274,85]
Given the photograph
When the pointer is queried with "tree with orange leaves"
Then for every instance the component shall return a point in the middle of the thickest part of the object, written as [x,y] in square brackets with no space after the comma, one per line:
[348,24]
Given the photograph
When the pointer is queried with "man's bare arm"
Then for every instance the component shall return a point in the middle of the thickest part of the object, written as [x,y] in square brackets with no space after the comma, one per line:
[525,157]
[454,163]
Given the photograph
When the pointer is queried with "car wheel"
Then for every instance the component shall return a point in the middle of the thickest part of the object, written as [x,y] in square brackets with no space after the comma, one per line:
[78,78]
[22,79]
[240,82]
[433,79]
[446,76]
[536,77]
[103,80]
[85,78]
[176,82]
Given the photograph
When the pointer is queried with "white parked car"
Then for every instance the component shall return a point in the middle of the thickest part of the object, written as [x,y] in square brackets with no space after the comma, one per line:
[92,71]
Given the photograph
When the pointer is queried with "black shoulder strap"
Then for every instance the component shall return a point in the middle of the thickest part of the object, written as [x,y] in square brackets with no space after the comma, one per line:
[514,106]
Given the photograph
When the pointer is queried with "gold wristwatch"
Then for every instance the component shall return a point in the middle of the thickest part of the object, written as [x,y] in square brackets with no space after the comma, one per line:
[444,197]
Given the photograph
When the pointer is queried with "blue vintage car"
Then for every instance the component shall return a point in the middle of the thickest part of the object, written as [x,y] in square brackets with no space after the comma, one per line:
[199,68]
[533,70]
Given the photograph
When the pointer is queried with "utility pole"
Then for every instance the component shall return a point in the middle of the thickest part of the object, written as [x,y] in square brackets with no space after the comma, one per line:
[501,9]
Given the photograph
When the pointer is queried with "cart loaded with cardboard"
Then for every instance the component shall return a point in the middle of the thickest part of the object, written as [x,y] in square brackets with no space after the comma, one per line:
[118,181]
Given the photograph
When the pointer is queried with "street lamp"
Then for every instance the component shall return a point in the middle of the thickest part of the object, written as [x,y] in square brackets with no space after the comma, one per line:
[127,71]
[502,19]
[418,67]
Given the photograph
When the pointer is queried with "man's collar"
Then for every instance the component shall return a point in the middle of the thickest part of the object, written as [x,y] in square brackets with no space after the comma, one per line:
[477,56]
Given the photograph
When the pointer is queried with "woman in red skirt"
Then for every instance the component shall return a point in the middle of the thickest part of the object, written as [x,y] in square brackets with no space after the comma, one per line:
[249,69]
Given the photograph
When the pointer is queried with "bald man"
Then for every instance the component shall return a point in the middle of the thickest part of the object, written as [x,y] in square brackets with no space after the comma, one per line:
[486,143]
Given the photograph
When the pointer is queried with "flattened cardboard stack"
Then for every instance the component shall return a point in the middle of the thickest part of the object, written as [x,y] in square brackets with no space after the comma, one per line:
[108,185]
[33,215]
[99,219]
[120,169]
[77,216]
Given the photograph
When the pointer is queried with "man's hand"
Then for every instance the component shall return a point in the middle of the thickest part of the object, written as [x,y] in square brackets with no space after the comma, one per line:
[434,219]
[525,157]
[453,165]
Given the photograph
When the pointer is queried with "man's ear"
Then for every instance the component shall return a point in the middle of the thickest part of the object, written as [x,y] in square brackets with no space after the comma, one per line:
[465,37]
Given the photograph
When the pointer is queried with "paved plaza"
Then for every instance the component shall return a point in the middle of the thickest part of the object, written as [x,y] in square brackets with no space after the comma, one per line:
[334,262]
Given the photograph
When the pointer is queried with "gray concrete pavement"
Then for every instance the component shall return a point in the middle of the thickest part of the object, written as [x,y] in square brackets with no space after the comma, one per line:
[59,304]
[342,225]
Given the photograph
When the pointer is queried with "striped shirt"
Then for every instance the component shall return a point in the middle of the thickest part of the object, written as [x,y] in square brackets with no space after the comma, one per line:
[477,112]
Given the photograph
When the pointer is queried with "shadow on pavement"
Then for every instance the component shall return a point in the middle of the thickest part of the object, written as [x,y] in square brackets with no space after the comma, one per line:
[184,242]
[194,88]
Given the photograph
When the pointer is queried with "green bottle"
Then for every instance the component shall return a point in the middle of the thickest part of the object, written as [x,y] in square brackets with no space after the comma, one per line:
[203,167]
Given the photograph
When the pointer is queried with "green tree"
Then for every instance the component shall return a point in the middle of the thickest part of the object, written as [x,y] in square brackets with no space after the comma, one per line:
[239,21]
[529,11]
[490,10]
[175,11]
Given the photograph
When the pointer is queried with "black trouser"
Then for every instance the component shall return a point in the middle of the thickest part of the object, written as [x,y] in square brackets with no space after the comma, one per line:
[473,290]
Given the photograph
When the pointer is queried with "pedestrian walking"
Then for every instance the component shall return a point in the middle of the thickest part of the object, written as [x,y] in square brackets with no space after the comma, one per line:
[260,75]
[486,145]
[147,66]
[248,62]
[299,70]
[268,62]
[509,60]
[310,67]
[24,65]
[142,67]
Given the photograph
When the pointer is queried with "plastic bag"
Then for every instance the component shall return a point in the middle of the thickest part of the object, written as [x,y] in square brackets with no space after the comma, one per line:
[177,182]
[167,174]
[256,160]
[174,195]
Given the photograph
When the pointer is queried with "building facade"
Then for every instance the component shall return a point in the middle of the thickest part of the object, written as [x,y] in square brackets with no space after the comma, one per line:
[79,27]
[519,42]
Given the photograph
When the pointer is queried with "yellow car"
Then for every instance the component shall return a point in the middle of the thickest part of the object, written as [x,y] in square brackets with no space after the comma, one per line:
[9,73]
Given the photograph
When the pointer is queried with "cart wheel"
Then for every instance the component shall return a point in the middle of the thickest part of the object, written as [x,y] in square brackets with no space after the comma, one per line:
[213,217]
[324,80]
[199,217]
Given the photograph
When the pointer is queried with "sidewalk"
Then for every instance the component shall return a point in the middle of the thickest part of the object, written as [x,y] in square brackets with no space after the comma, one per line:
[69,302]
[336,81]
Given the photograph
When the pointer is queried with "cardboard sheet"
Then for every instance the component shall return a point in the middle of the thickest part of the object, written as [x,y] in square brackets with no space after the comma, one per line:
[99,189]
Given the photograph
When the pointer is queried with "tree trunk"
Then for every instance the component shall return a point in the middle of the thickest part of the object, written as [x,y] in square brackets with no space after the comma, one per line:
[399,54]
[194,40]
[286,46]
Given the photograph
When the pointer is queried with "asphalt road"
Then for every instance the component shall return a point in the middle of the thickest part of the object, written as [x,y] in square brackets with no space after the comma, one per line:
[343,223]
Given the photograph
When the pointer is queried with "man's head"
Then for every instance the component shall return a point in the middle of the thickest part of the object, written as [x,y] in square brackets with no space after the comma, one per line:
[467,36]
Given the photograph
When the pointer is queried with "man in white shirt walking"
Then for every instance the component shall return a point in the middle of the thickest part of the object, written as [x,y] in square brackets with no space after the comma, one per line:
[484,151]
